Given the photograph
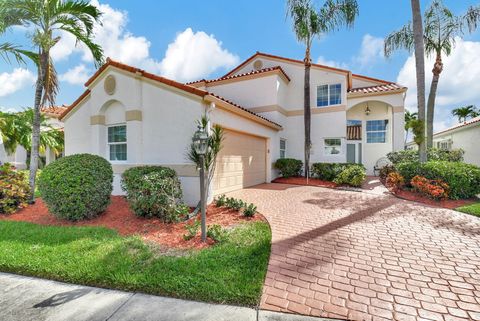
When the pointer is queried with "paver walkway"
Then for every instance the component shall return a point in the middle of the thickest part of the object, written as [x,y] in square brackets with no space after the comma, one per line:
[362,256]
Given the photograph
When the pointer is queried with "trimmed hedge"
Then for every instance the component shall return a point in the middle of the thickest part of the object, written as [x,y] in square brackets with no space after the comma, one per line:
[353,175]
[14,189]
[289,167]
[77,187]
[463,179]
[340,173]
[433,154]
[154,191]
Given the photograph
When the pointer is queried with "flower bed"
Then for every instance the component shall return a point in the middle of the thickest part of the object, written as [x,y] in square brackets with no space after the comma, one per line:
[416,197]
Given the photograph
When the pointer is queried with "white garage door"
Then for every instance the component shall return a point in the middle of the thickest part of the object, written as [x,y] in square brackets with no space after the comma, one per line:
[241,163]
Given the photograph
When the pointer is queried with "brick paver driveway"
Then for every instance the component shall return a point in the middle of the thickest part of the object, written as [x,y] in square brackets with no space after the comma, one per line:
[360,256]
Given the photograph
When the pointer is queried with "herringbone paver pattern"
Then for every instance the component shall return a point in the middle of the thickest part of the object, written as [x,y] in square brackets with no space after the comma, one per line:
[360,256]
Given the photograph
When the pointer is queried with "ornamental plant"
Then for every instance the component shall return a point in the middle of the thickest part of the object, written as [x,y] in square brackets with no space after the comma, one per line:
[353,175]
[289,167]
[14,189]
[395,181]
[435,189]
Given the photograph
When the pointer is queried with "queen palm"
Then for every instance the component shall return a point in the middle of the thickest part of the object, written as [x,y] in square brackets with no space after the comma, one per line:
[308,24]
[441,27]
[465,112]
[45,19]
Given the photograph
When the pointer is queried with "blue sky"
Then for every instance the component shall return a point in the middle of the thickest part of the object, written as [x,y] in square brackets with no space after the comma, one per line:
[161,36]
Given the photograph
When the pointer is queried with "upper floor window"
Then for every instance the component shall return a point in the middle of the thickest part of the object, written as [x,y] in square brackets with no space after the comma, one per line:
[377,131]
[283,148]
[329,95]
[117,142]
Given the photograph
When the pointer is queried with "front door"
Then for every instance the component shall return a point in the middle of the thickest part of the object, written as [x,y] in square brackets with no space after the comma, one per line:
[351,153]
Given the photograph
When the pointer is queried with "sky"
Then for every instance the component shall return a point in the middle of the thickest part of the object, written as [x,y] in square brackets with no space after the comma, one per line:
[189,40]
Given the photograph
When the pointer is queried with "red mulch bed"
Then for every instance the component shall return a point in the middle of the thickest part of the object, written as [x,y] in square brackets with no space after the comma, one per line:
[303,181]
[119,217]
[416,197]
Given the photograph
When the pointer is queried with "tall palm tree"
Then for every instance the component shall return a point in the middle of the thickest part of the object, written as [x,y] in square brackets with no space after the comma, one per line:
[308,24]
[441,29]
[44,19]
[409,118]
[465,112]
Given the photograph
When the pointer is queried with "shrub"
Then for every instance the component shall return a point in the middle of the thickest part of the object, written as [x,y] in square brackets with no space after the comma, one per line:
[289,167]
[385,171]
[235,204]
[14,189]
[435,189]
[220,201]
[433,154]
[216,233]
[395,181]
[408,170]
[192,230]
[154,191]
[250,210]
[77,187]
[353,175]
[327,171]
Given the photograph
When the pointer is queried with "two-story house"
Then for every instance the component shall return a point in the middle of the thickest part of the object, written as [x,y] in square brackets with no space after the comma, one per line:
[132,117]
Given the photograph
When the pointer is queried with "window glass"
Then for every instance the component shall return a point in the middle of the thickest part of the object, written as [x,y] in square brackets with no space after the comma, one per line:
[333,146]
[335,94]
[376,131]
[117,143]
[322,96]
[329,95]
[283,148]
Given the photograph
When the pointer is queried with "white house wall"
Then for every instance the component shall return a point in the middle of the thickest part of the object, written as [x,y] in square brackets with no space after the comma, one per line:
[466,139]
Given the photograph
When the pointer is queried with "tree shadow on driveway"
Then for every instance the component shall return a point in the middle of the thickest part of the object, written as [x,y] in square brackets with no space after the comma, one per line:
[62,298]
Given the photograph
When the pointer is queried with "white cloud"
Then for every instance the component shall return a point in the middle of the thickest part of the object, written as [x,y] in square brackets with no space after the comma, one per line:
[370,51]
[14,81]
[194,55]
[331,63]
[458,83]
[77,75]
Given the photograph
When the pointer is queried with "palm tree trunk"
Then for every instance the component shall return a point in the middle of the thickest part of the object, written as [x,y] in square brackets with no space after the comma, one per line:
[437,69]
[420,70]
[307,114]
[34,155]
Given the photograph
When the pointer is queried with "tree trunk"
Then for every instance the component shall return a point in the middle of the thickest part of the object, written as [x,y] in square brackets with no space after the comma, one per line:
[420,70]
[437,70]
[307,114]
[34,155]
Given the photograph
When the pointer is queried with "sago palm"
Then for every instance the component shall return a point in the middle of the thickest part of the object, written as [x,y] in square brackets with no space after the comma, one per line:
[308,24]
[44,19]
[441,27]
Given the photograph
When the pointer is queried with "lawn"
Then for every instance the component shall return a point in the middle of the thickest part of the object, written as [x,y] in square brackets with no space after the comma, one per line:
[473,209]
[230,272]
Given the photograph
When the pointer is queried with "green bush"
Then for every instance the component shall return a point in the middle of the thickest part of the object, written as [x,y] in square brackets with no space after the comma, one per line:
[249,210]
[330,171]
[353,175]
[192,230]
[463,179]
[234,204]
[77,187]
[220,200]
[14,189]
[433,154]
[289,167]
[154,191]
[217,233]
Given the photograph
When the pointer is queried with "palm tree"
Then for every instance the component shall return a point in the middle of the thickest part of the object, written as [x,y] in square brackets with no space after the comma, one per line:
[409,118]
[441,29]
[308,24]
[465,112]
[44,19]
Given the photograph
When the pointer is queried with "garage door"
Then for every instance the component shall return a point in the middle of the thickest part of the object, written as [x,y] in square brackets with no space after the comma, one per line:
[241,163]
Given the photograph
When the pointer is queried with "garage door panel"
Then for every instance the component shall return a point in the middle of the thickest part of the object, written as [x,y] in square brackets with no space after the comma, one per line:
[241,162]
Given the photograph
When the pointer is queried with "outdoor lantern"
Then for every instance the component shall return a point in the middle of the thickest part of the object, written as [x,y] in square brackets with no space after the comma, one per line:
[200,139]
[367,110]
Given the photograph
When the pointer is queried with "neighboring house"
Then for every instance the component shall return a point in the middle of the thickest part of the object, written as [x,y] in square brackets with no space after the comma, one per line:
[133,117]
[465,135]
[19,158]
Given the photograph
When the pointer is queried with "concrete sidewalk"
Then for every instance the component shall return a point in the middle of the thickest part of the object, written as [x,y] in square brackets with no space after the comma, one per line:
[25,298]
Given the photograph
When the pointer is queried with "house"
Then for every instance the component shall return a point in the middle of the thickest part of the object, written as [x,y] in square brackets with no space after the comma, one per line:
[465,135]
[19,158]
[132,117]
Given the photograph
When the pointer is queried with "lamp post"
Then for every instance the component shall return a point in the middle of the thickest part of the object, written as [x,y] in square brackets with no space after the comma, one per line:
[200,144]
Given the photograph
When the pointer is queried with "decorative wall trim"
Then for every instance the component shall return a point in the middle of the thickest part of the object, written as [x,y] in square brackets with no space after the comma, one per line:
[398,109]
[97,120]
[134,114]
[182,170]
[269,108]
[317,110]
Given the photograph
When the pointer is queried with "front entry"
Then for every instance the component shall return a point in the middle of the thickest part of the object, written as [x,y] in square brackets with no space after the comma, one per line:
[354,153]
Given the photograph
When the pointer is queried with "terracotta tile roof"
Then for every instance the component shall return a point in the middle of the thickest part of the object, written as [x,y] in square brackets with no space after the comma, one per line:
[472,121]
[253,72]
[390,87]
[54,111]
[354,132]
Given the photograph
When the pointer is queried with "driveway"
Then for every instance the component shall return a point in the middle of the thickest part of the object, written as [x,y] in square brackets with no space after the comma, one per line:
[365,256]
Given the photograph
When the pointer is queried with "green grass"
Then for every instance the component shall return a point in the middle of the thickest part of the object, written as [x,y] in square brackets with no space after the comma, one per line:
[473,209]
[230,272]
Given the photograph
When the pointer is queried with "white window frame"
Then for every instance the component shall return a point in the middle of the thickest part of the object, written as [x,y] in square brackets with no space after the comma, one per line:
[325,146]
[377,131]
[328,93]
[117,143]
[284,149]
[445,144]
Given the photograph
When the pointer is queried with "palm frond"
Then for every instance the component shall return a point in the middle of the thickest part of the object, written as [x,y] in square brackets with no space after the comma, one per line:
[400,39]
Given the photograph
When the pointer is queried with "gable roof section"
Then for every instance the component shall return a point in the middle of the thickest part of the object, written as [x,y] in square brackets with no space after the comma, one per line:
[473,121]
[166,81]
[260,72]
[389,88]
[53,111]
